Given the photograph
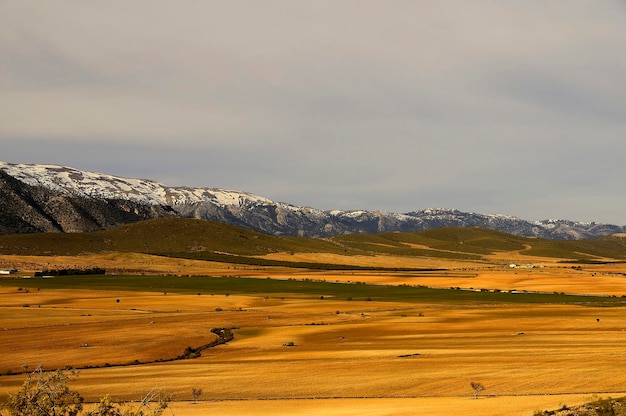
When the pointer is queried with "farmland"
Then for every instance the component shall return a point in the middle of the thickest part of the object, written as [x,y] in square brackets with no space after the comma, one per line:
[400,334]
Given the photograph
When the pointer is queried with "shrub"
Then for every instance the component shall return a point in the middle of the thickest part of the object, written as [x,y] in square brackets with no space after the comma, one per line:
[478,387]
[44,394]
[48,394]
[196,393]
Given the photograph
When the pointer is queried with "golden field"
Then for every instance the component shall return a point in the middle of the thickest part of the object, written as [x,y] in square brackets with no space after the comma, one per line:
[348,357]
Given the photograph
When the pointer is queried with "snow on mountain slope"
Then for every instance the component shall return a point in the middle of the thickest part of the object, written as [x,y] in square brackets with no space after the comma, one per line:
[98,185]
[148,199]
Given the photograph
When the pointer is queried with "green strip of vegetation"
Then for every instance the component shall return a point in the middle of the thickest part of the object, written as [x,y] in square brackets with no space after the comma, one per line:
[313,288]
[585,261]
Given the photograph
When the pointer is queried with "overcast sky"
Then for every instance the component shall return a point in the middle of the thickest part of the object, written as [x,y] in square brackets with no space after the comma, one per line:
[490,106]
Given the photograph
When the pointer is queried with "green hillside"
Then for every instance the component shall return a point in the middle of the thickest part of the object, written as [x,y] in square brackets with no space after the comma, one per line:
[162,236]
[207,240]
[451,242]
[596,249]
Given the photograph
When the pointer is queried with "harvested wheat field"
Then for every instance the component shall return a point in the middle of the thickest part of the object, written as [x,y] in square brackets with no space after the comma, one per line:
[348,346]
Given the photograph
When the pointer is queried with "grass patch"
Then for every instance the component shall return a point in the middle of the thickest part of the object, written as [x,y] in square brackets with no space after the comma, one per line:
[275,287]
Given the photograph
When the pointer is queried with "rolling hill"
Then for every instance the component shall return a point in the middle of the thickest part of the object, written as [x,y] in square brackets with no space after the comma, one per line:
[207,240]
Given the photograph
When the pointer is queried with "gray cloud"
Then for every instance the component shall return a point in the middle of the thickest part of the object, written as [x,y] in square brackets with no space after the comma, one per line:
[510,107]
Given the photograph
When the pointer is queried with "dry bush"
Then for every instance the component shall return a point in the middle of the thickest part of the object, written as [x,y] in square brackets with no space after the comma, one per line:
[48,394]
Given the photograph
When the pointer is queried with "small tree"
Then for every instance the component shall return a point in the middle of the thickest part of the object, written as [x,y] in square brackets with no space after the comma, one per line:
[196,393]
[46,394]
[478,387]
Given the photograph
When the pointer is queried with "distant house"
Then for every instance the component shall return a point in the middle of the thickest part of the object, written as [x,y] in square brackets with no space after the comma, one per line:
[521,266]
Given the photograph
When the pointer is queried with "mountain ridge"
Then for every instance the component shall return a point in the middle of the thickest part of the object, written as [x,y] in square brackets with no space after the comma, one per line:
[54,198]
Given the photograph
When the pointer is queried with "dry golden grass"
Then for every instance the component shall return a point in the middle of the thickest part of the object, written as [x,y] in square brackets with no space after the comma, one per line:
[349,358]
[432,406]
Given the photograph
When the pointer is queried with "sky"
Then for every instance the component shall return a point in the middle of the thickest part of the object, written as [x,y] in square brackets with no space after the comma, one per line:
[488,106]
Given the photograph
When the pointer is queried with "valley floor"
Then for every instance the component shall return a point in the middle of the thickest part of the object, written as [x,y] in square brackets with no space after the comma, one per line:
[437,406]
[308,354]
[531,273]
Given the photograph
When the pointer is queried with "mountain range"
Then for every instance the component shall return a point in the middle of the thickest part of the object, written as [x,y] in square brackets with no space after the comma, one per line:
[51,198]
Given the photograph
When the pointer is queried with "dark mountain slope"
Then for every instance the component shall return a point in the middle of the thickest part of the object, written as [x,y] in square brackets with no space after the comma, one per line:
[34,209]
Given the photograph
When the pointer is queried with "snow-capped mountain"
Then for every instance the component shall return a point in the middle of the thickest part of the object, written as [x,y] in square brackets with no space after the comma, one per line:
[38,198]
[97,185]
